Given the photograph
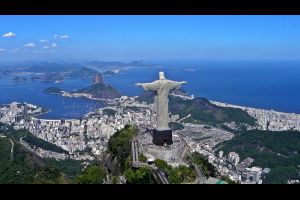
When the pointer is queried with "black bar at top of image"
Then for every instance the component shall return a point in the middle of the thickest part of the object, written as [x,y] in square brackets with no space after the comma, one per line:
[148,7]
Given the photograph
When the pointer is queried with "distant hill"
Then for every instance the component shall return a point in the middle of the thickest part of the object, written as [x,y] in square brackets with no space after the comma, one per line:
[83,72]
[49,67]
[101,90]
[103,64]
[53,76]
[59,74]
[73,69]
[98,89]
[52,69]
[201,110]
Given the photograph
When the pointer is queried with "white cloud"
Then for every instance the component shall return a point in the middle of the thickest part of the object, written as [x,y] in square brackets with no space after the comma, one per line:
[9,35]
[2,50]
[54,45]
[64,37]
[46,47]
[29,45]
[61,36]
[43,41]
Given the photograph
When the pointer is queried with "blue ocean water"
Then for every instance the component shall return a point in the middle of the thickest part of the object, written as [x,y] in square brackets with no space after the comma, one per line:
[261,84]
[33,92]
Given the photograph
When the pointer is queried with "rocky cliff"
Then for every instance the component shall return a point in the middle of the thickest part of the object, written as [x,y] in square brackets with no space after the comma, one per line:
[98,78]
[99,89]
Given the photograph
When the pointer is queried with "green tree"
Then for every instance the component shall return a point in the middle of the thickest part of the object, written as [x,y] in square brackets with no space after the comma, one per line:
[142,175]
[119,145]
[182,174]
[174,178]
[142,158]
[93,174]
[115,179]
[207,168]
[163,165]
[68,166]
[50,175]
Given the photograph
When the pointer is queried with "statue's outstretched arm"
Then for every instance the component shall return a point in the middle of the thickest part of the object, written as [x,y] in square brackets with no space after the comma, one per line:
[138,84]
[148,86]
[176,85]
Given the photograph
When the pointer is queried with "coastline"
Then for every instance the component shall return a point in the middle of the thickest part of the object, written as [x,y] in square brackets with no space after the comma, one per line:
[83,95]
[105,103]
[269,119]
[250,110]
[266,119]
[222,104]
[48,111]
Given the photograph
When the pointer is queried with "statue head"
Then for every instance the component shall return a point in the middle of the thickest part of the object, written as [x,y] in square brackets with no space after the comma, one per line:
[162,76]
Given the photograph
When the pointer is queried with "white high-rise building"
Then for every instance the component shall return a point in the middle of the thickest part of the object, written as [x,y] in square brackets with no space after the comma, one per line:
[236,160]
[220,154]
[234,157]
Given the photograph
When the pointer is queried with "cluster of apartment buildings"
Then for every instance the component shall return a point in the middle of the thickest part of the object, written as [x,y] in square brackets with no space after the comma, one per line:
[83,138]
[269,119]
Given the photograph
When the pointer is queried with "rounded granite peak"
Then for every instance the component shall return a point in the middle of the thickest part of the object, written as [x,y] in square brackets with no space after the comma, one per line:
[98,78]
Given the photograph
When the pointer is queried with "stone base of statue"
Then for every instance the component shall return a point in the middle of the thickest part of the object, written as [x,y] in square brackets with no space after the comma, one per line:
[161,138]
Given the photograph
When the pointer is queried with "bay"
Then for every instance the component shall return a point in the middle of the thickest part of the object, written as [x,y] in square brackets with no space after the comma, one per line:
[261,84]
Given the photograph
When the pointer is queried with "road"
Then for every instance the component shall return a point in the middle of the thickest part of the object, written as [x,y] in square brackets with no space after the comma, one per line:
[160,174]
[11,151]
[136,163]
[162,177]
[200,174]
[201,179]
[135,153]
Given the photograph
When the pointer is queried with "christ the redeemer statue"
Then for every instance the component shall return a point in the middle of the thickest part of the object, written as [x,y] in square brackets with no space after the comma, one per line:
[162,88]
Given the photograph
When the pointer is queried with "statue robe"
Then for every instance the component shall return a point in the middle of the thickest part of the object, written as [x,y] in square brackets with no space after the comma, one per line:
[162,88]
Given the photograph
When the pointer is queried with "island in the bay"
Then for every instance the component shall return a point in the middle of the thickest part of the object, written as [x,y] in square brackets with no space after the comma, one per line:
[97,90]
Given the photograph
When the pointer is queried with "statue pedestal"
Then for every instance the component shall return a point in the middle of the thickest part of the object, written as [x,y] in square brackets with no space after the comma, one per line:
[162,137]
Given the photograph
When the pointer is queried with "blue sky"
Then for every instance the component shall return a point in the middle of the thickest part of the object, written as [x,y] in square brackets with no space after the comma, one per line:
[149,37]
